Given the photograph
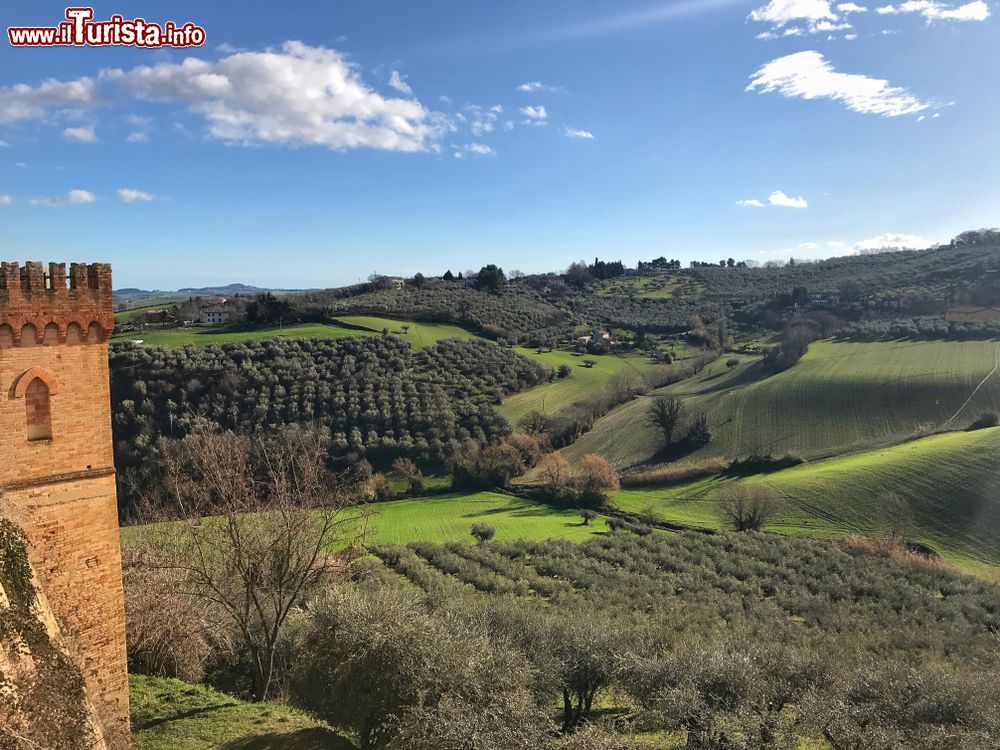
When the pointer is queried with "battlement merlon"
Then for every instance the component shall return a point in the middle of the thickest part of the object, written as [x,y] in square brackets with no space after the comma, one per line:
[38,295]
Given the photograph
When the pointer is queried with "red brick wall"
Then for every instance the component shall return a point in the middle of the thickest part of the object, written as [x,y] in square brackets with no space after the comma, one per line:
[61,489]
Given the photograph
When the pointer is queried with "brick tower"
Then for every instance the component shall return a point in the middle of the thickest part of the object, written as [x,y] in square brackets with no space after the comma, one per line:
[57,472]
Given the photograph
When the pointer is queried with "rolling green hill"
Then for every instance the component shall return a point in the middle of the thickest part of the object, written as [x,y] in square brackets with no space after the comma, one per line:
[951,481]
[582,383]
[841,397]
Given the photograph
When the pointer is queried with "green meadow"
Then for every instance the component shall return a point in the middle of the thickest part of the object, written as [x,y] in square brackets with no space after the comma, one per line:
[839,398]
[419,334]
[951,481]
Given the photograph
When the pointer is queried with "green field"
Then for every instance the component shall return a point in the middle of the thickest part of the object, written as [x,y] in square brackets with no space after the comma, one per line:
[584,382]
[450,518]
[840,398]
[203,336]
[951,481]
[419,334]
[173,715]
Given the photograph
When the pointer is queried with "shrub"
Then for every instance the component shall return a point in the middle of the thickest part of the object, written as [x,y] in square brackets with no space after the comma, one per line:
[990,419]
[167,631]
[382,666]
[593,477]
[747,508]
[676,473]
[483,532]
[564,371]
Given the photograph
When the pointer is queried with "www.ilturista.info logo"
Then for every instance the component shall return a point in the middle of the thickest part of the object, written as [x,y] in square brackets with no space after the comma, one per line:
[80,30]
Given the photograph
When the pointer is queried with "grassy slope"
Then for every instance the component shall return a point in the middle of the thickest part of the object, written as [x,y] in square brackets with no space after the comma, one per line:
[658,286]
[839,398]
[446,518]
[952,481]
[450,518]
[419,334]
[584,381]
[173,715]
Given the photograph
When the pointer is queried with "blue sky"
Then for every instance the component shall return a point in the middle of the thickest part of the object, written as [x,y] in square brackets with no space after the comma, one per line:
[335,139]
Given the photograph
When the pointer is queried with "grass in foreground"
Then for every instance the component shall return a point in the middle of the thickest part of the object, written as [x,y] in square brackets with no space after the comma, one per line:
[173,715]
[839,398]
[949,480]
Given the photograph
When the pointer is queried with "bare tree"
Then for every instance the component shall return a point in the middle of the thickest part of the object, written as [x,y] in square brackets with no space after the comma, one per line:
[896,516]
[748,508]
[665,414]
[555,472]
[261,517]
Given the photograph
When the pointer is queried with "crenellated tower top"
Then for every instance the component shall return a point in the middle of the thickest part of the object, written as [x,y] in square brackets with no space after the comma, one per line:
[47,307]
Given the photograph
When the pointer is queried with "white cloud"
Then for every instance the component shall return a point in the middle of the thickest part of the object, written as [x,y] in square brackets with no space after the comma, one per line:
[71,198]
[781,12]
[476,149]
[481,120]
[850,37]
[834,244]
[137,136]
[808,75]
[778,198]
[24,102]
[5,200]
[83,134]
[574,133]
[808,246]
[893,241]
[4,144]
[851,8]
[809,16]
[750,203]
[131,195]
[533,87]
[398,81]
[535,113]
[977,10]
[297,95]
[828,27]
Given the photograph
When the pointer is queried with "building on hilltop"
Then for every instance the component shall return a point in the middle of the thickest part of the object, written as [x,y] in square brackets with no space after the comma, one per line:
[57,477]
[214,315]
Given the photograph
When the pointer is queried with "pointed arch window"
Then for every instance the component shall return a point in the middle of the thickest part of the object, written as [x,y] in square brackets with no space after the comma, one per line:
[38,410]
[37,387]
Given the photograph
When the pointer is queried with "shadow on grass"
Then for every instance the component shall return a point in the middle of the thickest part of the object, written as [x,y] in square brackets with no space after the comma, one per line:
[521,509]
[316,738]
[161,720]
